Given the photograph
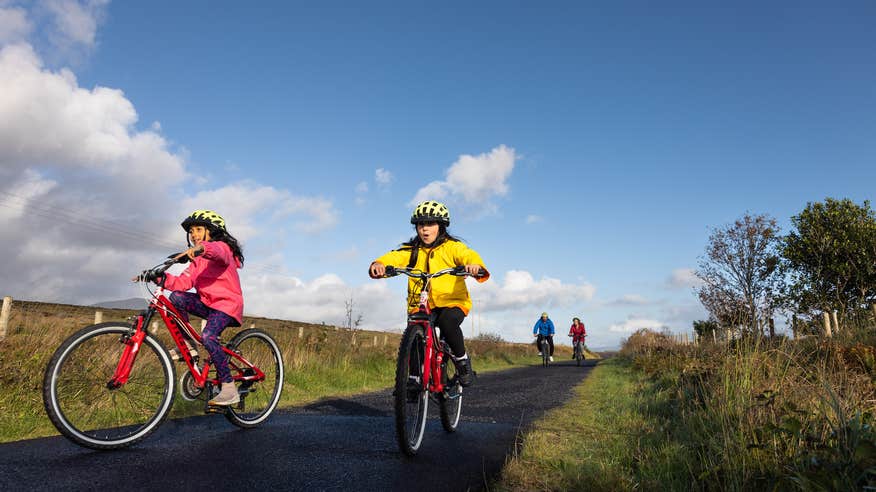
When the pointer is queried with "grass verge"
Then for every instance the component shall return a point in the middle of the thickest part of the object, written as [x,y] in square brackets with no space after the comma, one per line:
[609,436]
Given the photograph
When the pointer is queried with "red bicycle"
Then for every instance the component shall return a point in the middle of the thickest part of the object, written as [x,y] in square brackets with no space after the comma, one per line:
[111,384]
[422,369]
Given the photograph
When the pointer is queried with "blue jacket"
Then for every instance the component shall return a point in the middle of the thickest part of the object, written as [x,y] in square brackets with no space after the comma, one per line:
[543,327]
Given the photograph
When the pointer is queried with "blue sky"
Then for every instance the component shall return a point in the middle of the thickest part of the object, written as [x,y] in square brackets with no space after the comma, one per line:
[584,150]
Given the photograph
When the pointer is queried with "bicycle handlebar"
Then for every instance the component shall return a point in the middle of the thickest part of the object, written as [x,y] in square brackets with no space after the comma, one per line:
[158,270]
[458,271]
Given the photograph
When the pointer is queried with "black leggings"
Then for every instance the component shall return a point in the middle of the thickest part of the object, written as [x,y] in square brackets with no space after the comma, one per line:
[550,339]
[449,321]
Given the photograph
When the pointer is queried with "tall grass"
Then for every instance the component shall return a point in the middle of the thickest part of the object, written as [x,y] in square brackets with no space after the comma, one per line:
[769,413]
[325,361]
[753,415]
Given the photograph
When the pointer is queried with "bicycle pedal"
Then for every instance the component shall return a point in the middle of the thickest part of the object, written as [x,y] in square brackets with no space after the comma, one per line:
[215,409]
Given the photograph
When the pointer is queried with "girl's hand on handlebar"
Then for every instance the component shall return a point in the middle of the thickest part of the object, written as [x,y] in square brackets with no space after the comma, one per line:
[192,252]
[377,269]
[473,270]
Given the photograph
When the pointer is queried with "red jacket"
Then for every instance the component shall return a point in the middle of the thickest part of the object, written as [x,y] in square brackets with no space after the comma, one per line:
[577,333]
[214,276]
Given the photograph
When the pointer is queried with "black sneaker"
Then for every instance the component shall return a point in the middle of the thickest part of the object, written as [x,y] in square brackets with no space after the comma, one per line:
[463,370]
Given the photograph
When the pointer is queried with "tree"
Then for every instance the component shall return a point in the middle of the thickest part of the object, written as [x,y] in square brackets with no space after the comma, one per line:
[830,258]
[705,329]
[739,272]
[349,322]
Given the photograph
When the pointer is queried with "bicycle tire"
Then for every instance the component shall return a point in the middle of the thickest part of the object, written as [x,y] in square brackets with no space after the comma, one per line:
[411,400]
[84,410]
[257,400]
[450,403]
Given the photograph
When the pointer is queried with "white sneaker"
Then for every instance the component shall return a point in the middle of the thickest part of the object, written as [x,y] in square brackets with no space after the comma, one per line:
[539,354]
[551,358]
[228,396]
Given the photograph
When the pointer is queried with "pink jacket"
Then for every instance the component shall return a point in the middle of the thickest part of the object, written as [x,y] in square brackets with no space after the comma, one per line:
[214,276]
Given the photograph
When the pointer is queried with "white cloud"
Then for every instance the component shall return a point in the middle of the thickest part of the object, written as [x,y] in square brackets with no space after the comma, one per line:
[682,278]
[533,219]
[242,203]
[74,23]
[362,187]
[519,289]
[473,180]
[322,300]
[383,177]
[47,119]
[632,324]
[14,25]
[87,198]
[630,300]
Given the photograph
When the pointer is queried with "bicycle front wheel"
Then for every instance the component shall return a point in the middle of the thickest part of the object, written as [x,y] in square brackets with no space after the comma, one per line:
[410,398]
[258,399]
[450,403]
[84,410]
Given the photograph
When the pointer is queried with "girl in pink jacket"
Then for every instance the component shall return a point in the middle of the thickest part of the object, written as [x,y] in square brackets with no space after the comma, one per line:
[215,257]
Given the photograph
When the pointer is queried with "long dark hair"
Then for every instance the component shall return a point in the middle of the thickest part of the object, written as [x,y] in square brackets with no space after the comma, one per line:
[231,241]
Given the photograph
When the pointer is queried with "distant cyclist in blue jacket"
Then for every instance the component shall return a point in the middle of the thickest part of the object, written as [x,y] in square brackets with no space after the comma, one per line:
[544,328]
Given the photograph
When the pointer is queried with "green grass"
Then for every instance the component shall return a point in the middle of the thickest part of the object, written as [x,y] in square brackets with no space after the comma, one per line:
[324,362]
[610,436]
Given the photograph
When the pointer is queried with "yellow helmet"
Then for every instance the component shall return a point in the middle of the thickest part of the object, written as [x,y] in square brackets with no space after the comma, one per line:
[431,211]
[206,218]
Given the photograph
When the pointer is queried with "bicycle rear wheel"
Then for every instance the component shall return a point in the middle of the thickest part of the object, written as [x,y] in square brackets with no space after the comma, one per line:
[84,410]
[410,398]
[258,399]
[450,403]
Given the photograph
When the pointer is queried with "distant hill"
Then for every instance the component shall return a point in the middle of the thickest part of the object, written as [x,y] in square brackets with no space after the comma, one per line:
[132,303]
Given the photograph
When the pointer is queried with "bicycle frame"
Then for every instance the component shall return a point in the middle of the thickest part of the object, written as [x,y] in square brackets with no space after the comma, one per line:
[241,369]
[432,358]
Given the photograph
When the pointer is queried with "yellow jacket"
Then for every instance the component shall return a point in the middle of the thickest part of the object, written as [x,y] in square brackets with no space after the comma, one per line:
[447,290]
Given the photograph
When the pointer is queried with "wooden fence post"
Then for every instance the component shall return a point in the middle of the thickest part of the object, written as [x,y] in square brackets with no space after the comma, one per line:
[300,332]
[4,316]
[772,328]
[98,317]
[353,339]
[836,326]
[827,331]
[385,339]
[375,341]
[794,326]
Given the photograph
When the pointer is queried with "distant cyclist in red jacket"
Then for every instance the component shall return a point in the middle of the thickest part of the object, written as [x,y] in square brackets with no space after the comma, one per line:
[578,333]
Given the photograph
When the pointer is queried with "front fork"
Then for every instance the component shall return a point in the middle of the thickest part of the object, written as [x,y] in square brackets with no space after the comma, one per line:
[132,341]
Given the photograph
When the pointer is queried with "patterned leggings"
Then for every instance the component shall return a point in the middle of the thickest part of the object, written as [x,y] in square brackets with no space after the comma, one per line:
[189,302]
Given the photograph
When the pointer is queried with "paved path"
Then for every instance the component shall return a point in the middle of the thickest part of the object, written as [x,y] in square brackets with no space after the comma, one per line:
[333,444]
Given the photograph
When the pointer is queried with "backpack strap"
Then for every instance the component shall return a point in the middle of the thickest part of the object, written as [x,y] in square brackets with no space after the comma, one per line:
[415,251]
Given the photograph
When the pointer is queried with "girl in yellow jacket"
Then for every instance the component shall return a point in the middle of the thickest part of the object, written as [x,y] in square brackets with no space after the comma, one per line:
[433,249]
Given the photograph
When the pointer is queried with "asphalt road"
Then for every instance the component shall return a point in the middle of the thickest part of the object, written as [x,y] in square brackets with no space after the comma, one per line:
[333,444]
